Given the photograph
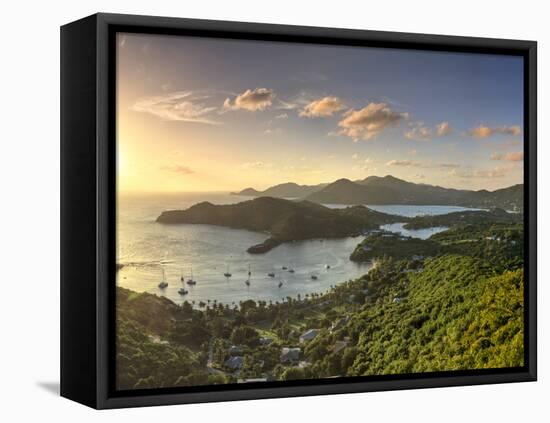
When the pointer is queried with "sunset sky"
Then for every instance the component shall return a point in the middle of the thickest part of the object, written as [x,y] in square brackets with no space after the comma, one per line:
[198,114]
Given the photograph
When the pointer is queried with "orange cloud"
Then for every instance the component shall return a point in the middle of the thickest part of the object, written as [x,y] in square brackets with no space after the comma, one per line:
[483,131]
[370,121]
[324,107]
[179,169]
[510,157]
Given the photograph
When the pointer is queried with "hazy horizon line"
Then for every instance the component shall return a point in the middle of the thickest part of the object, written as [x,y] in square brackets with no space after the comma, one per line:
[236,190]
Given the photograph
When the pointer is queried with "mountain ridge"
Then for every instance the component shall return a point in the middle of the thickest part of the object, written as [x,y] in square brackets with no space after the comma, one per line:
[386,190]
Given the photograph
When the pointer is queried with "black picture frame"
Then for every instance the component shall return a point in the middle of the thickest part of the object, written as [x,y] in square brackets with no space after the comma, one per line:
[88,156]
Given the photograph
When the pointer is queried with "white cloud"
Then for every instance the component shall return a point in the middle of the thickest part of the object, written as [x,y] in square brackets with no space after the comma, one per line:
[286,105]
[419,132]
[370,121]
[182,106]
[256,165]
[448,165]
[179,169]
[251,100]
[443,129]
[273,131]
[323,107]
[493,173]
[404,163]
[422,164]
[363,168]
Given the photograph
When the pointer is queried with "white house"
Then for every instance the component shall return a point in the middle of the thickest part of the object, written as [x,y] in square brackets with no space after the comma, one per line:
[308,335]
[339,346]
[235,350]
[339,323]
[289,355]
[235,363]
[264,340]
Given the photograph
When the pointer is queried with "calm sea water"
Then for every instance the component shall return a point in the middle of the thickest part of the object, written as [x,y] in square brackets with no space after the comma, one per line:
[146,248]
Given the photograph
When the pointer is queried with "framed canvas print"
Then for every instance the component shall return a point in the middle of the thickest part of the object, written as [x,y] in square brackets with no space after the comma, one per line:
[255,211]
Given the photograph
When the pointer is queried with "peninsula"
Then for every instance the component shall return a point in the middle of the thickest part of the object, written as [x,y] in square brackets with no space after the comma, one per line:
[284,220]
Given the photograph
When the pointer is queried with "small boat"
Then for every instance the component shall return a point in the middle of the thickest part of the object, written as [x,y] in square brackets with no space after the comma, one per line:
[271,275]
[313,277]
[227,274]
[327,266]
[249,272]
[291,270]
[163,283]
[182,278]
[280,284]
[191,281]
[247,282]
[183,291]
[284,267]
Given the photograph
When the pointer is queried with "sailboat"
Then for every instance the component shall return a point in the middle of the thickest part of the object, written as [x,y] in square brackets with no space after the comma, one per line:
[227,274]
[163,284]
[271,274]
[313,277]
[280,283]
[183,291]
[249,272]
[247,282]
[182,278]
[191,281]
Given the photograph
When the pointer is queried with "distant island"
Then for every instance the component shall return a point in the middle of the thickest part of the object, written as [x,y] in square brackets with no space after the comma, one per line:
[376,190]
[284,220]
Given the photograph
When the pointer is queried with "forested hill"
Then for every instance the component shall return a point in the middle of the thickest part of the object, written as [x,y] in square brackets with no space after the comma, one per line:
[391,190]
[451,312]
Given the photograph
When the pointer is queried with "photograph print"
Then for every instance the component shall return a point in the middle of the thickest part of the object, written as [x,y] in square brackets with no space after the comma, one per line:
[293,212]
